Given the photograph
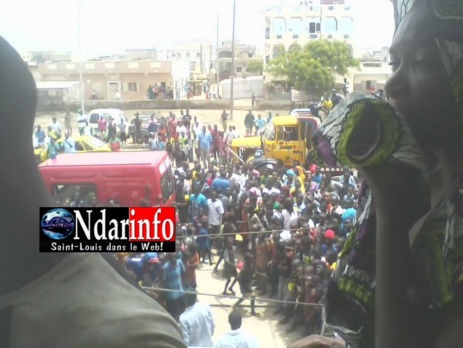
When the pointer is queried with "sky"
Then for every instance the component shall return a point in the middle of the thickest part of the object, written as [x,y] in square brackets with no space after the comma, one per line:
[109,26]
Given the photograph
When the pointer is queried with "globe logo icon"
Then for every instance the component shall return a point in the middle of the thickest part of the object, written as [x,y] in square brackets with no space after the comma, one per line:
[57,224]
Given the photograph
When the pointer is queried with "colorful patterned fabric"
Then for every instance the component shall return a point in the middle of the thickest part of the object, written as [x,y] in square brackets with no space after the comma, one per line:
[364,131]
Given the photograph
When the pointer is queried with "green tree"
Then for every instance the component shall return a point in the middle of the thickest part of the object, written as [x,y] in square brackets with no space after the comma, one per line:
[313,67]
[255,66]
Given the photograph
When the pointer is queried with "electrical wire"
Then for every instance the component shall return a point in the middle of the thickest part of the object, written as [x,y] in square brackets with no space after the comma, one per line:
[147,288]
[271,8]
[218,235]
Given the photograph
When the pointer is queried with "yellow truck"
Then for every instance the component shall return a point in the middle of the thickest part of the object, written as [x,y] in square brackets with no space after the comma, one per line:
[285,140]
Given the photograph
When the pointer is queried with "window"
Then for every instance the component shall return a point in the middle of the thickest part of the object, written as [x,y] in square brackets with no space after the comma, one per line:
[167,185]
[288,134]
[267,33]
[269,133]
[278,50]
[192,66]
[198,54]
[79,146]
[312,25]
[330,24]
[294,47]
[132,86]
[188,55]
[295,25]
[66,193]
[346,25]
[279,26]
[239,69]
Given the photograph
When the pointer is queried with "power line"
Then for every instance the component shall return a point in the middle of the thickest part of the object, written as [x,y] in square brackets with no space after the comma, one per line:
[216,235]
[147,289]
[271,8]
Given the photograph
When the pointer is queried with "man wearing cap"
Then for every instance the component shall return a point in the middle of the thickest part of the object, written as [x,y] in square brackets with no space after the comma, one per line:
[329,245]
[196,322]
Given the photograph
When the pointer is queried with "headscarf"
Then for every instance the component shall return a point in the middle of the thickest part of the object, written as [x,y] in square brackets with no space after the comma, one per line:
[350,293]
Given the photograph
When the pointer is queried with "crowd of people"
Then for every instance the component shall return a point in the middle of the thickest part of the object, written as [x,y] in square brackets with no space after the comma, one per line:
[276,233]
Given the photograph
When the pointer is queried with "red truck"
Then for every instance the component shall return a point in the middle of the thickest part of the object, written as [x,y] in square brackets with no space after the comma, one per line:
[129,178]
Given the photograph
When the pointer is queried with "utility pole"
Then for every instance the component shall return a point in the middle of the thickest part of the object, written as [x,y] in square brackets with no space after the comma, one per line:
[217,60]
[232,102]
[82,102]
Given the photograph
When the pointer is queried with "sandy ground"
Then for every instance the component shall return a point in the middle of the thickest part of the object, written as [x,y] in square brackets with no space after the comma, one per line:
[265,327]
[205,117]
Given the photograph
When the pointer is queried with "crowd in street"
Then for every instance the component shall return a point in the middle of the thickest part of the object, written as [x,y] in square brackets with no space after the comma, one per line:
[272,233]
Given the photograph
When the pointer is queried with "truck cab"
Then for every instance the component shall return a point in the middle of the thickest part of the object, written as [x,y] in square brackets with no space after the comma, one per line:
[286,139]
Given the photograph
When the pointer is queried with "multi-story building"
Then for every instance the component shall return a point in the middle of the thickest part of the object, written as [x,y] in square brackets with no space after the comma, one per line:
[297,22]
[243,55]
[198,54]
[127,80]
[51,56]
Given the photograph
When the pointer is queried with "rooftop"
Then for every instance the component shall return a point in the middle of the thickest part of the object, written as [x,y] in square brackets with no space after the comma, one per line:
[107,159]
[285,120]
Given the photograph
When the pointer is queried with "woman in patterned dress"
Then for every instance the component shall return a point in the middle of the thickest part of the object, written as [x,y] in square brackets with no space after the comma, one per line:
[399,280]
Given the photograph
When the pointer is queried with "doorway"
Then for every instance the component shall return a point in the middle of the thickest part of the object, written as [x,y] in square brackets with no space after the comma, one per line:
[113,90]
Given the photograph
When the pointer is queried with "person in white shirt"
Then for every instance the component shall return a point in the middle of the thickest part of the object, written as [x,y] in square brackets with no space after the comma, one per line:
[88,130]
[56,126]
[181,128]
[236,338]
[196,322]
[154,142]
[215,212]
[196,128]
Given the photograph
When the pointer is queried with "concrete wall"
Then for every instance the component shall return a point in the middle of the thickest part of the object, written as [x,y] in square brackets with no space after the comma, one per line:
[243,88]
[159,105]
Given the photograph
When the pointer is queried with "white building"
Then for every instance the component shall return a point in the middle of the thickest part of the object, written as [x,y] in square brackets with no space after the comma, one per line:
[297,22]
[197,53]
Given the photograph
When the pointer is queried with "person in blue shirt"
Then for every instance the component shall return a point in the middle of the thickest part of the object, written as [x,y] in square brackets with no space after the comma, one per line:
[197,200]
[40,135]
[328,245]
[53,149]
[205,143]
[68,144]
[173,271]
[318,176]
[152,126]
[161,145]
[204,242]
[221,184]
[260,124]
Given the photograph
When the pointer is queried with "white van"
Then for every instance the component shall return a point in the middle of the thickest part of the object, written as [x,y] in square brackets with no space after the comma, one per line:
[116,114]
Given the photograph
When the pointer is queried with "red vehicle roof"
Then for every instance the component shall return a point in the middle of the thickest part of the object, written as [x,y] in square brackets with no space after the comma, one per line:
[106,158]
